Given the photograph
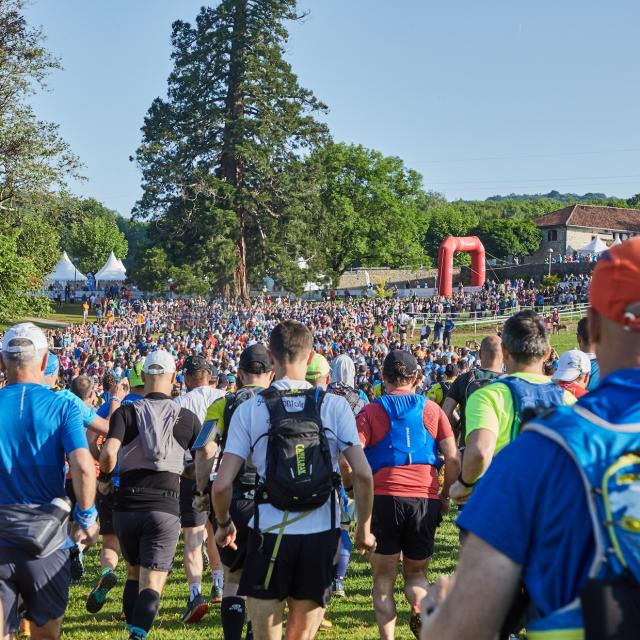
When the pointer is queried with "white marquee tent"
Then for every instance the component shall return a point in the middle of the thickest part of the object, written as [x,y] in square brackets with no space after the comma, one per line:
[596,246]
[112,270]
[65,271]
[616,242]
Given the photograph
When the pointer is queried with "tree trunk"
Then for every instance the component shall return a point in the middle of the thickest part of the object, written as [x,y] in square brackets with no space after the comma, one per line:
[232,168]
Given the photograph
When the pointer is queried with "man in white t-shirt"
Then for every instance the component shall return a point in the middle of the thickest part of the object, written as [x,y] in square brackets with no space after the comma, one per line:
[199,398]
[291,556]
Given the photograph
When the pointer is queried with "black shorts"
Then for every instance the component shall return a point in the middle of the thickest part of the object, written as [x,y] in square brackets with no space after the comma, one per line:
[147,539]
[41,583]
[405,524]
[188,517]
[104,505]
[304,567]
[241,512]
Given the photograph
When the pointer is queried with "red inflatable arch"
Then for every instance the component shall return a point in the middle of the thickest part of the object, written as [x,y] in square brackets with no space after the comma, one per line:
[448,247]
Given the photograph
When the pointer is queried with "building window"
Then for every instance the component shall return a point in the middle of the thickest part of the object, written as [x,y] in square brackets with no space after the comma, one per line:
[552,235]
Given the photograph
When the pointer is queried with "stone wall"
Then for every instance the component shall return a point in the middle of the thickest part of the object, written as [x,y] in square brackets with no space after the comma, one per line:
[356,278]
[535,271]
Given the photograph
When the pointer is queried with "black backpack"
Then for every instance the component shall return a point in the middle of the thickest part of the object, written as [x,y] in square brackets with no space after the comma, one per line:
[299,468]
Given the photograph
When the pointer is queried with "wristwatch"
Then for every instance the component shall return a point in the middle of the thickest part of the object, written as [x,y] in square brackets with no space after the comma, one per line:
[225,524]
[468,485]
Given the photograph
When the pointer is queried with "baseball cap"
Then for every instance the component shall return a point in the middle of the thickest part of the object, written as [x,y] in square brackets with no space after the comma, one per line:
[614,290]
[572,365]
[403,359]
[53,364]
[159,362]
[318,368]
[24,337]
[195,363]
[255,359]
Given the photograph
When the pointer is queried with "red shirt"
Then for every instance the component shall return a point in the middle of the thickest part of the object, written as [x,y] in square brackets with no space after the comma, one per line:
[412,480]
[574,388]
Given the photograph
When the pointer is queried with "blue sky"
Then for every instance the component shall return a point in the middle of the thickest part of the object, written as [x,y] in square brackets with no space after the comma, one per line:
[481,97]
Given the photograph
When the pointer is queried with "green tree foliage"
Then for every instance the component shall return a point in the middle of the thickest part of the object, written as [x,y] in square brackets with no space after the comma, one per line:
[33,157]
[447,219]
[216,153]
[370,210]
[94,236]
[19,277]
[503,237]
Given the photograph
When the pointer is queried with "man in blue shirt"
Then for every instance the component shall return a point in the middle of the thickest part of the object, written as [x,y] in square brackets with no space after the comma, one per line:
[528,519]
[38,428]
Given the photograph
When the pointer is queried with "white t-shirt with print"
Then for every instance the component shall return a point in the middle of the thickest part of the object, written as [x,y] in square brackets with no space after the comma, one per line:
[251,420]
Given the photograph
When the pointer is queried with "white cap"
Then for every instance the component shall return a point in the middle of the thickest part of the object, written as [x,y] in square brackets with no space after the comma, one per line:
[24,337]
[571,366]
[159,362]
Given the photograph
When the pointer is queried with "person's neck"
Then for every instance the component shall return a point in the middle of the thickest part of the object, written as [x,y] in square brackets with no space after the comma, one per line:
[492,366]
[291,370]
[24,376]
[157,389]
[531,367]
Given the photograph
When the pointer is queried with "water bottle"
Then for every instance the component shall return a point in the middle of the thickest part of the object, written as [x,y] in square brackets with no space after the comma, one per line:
[58,507]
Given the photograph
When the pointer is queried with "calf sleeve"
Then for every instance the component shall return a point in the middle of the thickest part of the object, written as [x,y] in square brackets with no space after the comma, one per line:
[146,609]
[232,614]
[129,597]
[345,554]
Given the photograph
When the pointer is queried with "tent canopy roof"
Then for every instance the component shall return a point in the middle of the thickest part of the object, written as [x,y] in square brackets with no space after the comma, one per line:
[595,246]
[65,271]
[112,270]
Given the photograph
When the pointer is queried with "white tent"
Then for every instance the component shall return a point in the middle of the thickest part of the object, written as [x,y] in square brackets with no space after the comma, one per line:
[616,242]
[596,246]
[121,265]
[112,270]
[65,271]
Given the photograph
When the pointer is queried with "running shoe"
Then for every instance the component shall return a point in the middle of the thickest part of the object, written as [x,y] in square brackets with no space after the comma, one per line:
[216,594]
[136,636]
[197,608]
[77,566]
[338,588]
[415,624]
[99,593]
[325,625]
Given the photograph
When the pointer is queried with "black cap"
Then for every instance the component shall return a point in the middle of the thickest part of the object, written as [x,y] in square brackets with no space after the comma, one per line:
[196,363]
[255,359]
[400,362]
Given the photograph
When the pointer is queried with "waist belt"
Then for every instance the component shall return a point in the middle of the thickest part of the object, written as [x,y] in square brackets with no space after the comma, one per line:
[147,491]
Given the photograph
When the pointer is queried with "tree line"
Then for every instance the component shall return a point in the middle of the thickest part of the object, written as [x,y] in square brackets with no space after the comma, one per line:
[241,177]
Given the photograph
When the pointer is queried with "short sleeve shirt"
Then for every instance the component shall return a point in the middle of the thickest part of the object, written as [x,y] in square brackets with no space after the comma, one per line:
[492,408]
[412,480]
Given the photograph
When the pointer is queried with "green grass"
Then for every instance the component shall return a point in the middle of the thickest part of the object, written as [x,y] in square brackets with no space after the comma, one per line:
[352,617]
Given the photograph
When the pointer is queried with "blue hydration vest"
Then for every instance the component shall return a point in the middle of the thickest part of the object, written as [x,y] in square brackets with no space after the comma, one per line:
[607,456]
[530,398]
[407,441]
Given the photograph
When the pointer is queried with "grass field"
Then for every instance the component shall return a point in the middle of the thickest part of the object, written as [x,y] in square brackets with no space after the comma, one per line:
[352,617]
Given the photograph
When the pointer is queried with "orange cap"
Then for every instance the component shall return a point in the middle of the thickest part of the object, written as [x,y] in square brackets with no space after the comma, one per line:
[615,288]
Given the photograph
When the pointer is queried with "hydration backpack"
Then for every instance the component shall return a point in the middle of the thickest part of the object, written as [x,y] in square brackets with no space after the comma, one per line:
[531,399]
[299,468]
[350,395]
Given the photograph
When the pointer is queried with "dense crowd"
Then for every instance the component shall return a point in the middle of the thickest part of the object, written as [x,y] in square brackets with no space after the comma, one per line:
[231,422]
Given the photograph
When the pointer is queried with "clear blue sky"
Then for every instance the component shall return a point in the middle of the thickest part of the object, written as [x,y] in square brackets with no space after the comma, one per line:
[482,98]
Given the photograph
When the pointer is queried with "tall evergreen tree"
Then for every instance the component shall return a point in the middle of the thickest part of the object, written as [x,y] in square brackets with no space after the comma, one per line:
[217,152]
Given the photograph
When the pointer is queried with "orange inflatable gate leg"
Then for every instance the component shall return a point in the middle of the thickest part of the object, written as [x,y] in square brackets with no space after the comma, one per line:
[449,246]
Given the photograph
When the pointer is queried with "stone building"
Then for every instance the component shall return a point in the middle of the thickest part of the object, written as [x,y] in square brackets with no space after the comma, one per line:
[572,228]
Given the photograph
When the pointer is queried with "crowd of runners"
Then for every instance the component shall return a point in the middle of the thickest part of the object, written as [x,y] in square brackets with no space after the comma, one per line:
[278,436]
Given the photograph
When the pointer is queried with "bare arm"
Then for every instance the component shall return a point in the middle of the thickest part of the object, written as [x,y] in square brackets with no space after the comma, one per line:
[485,582]
[223,485]
[204,460]
[83,476]
[92,439]
[478,453]
[109,455]
[451,463]
[362,479]
[99,426]
[449,406]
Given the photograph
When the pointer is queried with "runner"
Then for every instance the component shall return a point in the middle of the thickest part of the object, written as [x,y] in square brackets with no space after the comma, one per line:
[296,563]
[495,412]
[38,429]
[531,519]
[585,345]
[404,435]
[199,397]
[148,439]
[467,383]
[572,374]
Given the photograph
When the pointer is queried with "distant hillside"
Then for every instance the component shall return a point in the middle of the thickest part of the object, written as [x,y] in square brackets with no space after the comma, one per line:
[568,198]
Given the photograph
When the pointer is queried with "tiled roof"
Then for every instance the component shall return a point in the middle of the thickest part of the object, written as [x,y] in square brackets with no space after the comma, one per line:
[594,217]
